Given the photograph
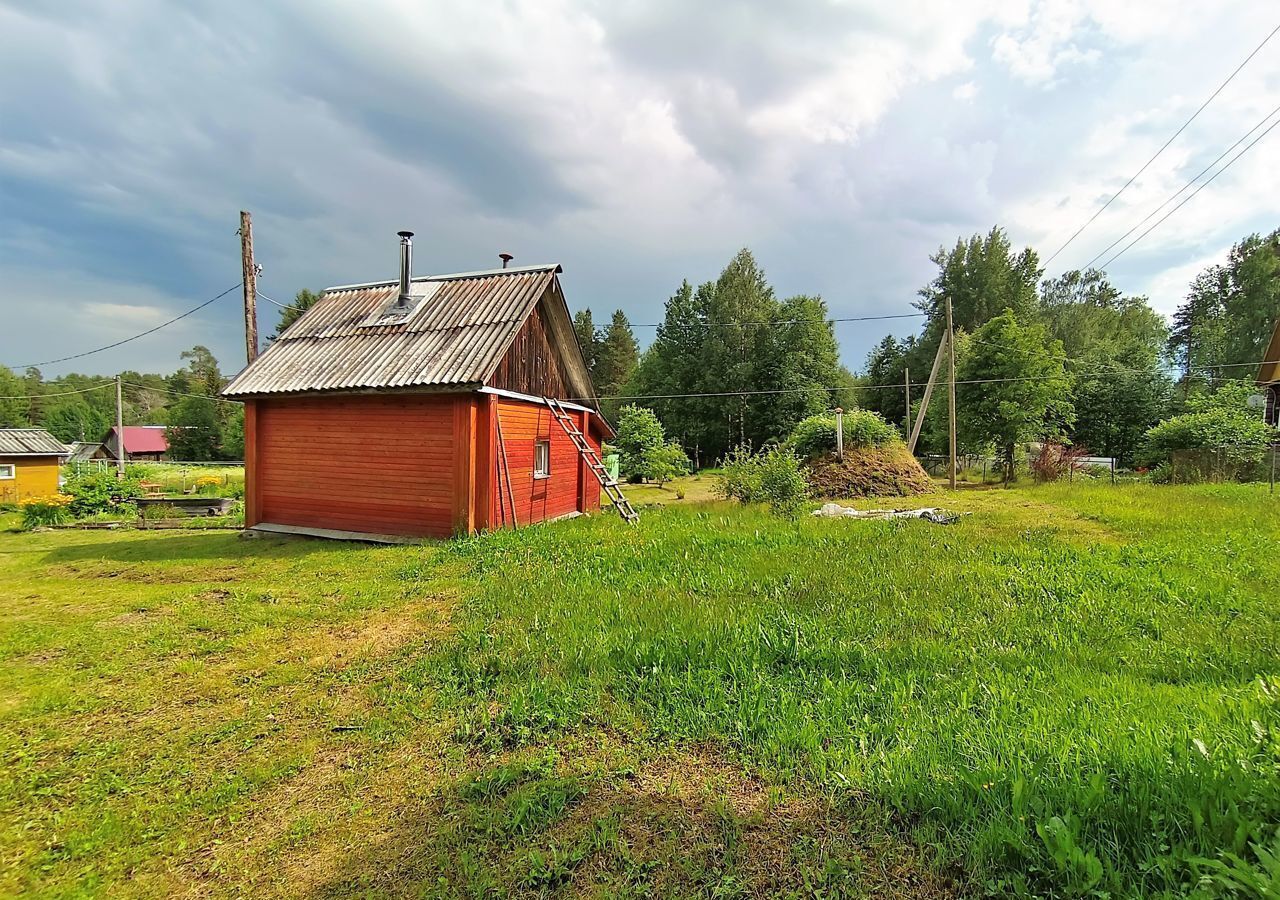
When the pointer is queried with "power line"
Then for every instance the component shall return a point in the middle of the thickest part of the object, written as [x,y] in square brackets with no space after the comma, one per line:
[775,323]
[95,387]
[1186,199]
[147,387]
[1173,197]
[897,386]
[1164,146]
[194,309]
[695,324]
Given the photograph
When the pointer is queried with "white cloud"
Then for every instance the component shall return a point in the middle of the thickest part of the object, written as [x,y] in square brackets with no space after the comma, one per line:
[637,143]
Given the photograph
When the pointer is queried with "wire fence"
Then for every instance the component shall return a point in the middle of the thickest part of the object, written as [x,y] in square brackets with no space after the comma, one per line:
[1228,463]
[168,477]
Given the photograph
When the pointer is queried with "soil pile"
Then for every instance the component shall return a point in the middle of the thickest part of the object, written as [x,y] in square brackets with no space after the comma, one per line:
[884,471]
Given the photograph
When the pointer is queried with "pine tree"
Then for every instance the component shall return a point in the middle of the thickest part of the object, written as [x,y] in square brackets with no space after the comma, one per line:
[302,301]
[588,340]
[616,357]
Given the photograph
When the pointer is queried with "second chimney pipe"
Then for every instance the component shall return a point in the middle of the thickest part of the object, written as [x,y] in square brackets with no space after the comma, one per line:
[406,266]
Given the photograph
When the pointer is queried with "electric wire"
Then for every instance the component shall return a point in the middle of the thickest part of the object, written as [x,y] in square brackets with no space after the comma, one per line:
[1186,199]
[1104,251]
[194,309]
[1164,146]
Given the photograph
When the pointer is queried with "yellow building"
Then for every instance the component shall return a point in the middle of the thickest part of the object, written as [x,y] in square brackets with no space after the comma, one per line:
[30,459]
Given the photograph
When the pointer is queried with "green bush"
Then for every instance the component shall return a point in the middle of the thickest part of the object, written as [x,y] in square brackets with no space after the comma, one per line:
[100,491]
[665,462]
[816,435]
[774,476]
[639,433]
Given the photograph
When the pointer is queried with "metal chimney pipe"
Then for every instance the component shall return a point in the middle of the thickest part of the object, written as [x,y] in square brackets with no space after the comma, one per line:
[506,258]
[406,266]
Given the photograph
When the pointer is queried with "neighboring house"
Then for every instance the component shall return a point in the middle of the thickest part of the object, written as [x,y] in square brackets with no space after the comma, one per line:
[84,451]
[1269,378]
[142,443]
[30,460]
[416,408]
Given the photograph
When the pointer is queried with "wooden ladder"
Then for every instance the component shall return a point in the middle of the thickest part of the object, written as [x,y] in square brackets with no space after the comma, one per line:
[588,453]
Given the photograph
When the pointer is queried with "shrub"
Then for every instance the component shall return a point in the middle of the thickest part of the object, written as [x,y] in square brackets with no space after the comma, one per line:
[816,436]
[1055,460]
[40,512]
[774,476]
[739,477]
[99,491]
[665,462]
[639,433]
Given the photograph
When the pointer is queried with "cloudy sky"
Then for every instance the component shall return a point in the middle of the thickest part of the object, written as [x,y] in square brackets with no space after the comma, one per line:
[636,143]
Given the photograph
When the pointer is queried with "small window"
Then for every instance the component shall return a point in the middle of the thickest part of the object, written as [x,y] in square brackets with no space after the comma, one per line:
[8,471]
[542,459]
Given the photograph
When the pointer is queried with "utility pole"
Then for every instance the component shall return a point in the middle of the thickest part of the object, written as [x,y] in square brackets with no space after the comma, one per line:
[840,434]
[928,393]
[119,431]
[250,278]
[951,393]
[906,385]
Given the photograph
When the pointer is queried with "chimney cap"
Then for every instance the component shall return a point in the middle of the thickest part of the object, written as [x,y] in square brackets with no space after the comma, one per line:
[405,234]
[506,258]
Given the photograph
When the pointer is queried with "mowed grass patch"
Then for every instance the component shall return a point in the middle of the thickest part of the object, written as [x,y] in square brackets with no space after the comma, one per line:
[1069,692]
[1073,690]
[156,687]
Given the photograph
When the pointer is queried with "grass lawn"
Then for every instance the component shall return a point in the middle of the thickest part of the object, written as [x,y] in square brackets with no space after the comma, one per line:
[1072,691]
[698,488]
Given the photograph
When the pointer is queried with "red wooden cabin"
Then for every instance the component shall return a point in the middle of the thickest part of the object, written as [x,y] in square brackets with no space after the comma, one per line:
[417,408]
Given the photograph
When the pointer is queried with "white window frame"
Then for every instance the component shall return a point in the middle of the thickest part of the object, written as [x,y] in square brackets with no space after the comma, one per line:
[542,459]
[12,469]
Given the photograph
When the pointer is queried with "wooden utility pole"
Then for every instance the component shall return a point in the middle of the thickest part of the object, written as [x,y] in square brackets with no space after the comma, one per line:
[250,277]
[951,392]
[840,434]
[119,430]
[928,393]
[906,385]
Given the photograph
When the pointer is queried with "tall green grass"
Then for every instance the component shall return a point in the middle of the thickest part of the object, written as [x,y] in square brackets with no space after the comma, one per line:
[1074,691]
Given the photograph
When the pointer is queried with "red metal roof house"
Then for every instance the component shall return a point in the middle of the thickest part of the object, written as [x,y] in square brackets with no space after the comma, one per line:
[141,442]
[416,409]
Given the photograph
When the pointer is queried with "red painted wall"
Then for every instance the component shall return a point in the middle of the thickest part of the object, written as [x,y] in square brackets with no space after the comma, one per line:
[570,486]
[381,464]
[410,464]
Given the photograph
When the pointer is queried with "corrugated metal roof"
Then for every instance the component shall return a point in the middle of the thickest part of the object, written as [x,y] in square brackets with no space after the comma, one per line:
[142,438]
[456,335]
[30,442]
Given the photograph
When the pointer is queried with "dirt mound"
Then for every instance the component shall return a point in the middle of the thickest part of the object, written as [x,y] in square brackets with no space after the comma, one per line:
[885,471]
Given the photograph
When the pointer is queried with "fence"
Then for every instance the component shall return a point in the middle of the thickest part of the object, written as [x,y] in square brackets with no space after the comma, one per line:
[171,477]
[1221,464]
[1227,463]
[975,469]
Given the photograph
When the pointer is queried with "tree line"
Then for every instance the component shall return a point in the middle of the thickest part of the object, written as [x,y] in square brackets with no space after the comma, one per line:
[200,427]
[1070,358]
